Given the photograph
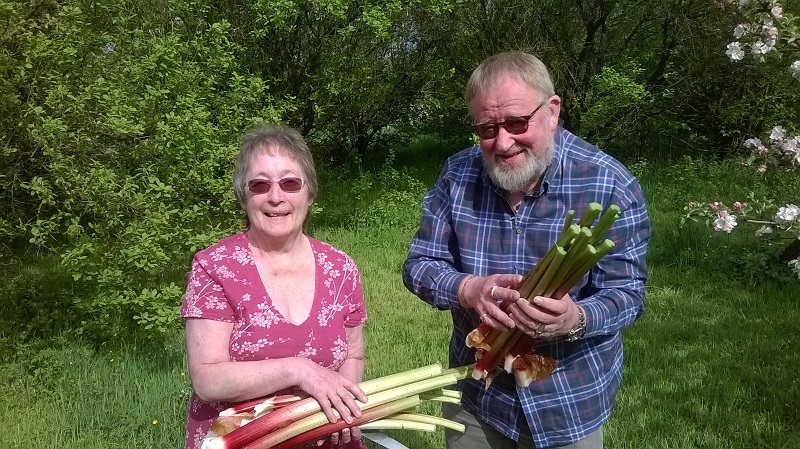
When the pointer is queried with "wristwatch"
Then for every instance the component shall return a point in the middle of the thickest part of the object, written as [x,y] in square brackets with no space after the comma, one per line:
[580,328]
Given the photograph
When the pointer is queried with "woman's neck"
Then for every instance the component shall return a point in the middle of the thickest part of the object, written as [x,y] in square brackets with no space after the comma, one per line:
[276,248]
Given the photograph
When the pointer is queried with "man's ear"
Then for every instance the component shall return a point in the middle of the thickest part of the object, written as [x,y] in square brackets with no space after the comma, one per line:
[554,104]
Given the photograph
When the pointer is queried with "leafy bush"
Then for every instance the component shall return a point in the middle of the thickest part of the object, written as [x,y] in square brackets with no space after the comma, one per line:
[124,160]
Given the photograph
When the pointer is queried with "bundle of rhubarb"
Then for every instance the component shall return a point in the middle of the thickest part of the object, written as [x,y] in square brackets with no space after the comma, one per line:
[575,252]
[289,421]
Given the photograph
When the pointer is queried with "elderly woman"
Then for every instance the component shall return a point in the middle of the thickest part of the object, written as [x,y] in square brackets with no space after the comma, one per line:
[271,310]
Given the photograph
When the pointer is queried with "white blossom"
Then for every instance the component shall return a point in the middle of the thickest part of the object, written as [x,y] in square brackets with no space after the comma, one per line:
[107,48]
[787,214]
[795,69]
[795,264]
[790,146]
[777,11]
[725,222]
[759,48]
[763,230]
[778,133]
[770,36]
[752,143]
[735,51]
[743,3]
[741,30]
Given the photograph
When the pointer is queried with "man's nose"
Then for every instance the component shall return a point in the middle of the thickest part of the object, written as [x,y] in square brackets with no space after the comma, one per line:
[504,140]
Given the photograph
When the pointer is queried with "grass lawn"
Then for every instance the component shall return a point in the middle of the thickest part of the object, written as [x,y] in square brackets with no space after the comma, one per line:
[710,364]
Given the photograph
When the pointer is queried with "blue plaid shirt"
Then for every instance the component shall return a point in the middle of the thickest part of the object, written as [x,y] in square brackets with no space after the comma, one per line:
[468,228]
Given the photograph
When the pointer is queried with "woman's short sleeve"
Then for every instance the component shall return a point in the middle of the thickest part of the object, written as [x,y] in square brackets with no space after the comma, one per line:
[357,310]
[205,297]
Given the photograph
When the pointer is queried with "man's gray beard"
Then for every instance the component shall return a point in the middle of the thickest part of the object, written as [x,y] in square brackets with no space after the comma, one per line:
[515,179]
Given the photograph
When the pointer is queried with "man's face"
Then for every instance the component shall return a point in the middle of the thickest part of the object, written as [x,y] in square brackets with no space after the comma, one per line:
[515,162]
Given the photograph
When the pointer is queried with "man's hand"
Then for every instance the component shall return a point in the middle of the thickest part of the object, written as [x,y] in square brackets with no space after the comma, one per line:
[545,317]
[486,294]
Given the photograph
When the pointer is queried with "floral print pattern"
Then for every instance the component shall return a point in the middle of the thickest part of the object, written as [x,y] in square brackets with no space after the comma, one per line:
[224,285]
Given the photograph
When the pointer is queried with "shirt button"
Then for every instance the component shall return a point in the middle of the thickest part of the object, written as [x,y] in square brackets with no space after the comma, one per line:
[516,265]
[519,230]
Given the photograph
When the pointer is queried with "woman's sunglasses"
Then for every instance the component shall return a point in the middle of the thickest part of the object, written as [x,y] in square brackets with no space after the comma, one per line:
[289,185]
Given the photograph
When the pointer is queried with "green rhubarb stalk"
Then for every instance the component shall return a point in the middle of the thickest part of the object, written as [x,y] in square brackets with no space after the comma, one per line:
[374,400]
[578,263]
[303,408]
[461,372]
[574,254]
[549,275]
[594,256]
[589,215]
[530,280]
[568,220]
[397,424]
[317,427]
[604,224]
[442,395]
[435,420]
[397,379]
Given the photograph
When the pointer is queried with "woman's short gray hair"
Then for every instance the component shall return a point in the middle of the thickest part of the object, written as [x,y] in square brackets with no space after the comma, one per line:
[523,66]
[271,139]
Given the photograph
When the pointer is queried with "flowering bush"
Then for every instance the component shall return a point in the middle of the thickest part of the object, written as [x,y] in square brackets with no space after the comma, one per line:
[764,27]
[778,151]
[767,29]
[771,223]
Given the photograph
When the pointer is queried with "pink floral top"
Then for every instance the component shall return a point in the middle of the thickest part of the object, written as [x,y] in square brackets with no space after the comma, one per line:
[224,285]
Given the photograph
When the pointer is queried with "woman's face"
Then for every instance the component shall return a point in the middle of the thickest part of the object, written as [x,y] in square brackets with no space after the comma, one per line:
[276,213]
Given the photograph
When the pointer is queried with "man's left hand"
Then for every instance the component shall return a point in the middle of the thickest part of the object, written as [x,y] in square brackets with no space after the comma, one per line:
[545,317]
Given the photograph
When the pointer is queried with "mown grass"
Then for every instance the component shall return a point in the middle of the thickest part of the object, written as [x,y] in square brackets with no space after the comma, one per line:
[710,364]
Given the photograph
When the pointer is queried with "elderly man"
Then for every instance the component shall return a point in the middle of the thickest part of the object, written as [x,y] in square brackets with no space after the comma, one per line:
[491,216]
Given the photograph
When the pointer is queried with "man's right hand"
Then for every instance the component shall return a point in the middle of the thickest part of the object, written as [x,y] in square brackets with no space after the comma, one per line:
[486,295]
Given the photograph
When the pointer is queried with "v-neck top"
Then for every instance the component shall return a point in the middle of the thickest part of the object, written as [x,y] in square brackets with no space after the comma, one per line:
[224,285]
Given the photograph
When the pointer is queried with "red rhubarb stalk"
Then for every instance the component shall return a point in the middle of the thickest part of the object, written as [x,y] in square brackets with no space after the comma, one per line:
[268,402]
[489,360]
[303,408]
[279,440]
[524,345]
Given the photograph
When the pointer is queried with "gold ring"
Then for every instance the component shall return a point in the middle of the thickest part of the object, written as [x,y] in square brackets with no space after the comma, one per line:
[483,315]
[539,330]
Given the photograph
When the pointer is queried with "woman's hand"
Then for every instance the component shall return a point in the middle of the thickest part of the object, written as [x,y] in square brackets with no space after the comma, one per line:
[347,435]
[332,390]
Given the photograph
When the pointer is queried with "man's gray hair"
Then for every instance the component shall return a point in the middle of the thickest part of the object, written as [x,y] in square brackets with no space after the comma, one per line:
[273,139]
[523,66]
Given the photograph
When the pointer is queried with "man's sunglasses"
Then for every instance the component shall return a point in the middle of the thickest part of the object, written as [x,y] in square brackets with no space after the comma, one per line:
[289,185]
[514,125]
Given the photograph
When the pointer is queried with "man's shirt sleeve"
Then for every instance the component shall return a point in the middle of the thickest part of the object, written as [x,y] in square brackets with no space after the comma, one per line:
[430,269]
[614,294]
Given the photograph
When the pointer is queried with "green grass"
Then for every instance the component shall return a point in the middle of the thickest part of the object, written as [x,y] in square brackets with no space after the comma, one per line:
[711,364]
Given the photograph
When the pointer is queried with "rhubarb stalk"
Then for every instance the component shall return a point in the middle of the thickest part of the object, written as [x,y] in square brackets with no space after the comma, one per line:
[568,260]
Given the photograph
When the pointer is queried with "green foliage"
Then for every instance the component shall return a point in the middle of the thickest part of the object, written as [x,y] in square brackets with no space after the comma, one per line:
[693,244]
[126,152]
[119,123]
[616,99]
